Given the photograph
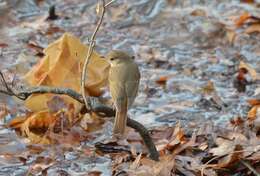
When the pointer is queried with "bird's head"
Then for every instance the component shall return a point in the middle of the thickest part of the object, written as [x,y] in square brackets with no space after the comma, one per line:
[116,57]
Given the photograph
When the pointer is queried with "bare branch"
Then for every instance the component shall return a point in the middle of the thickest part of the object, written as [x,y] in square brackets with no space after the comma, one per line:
[97,107]
[109,3]
[90,51]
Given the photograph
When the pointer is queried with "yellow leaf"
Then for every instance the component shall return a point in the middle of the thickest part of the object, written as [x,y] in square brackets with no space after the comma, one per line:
[62,67]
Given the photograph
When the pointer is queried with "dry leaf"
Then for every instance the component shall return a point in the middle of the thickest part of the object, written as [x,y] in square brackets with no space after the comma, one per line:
[231,35]
[3,111]
[253,28]
[254,102]
[224,147]
[61,67]
[149,167]
[3,45]
[198,12]
[238,121]
[247,1]
[162,80]
[227,149]
[251,71]
[94,173]
[252,113]
[241,20]
[177,137]
[136,162]
[17,122]
[209,88]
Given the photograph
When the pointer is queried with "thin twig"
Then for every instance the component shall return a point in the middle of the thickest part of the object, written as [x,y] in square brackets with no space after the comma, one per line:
[110,2]
[8,90]
[250,167]
[4,82]
[89,53]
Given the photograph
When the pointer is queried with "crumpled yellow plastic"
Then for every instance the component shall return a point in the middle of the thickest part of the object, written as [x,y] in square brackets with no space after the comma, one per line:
[61,67]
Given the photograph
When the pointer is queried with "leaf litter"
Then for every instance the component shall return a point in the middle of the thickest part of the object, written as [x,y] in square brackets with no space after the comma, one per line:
[199,64]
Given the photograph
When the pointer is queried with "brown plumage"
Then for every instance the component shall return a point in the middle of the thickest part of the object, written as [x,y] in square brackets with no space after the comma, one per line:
[124,79]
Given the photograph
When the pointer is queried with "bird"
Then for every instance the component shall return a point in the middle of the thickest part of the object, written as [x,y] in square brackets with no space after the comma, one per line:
[123,79]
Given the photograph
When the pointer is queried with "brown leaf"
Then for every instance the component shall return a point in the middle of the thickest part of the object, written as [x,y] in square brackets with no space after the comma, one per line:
[241,20]
[177,137]
[54,30]
[224,147]
[253,102]
[150,167]
[252,28]
[4,111]
[231,35]
[94,173]
[35,46]
[247,1]
[3,45]
[249,68]
[251,115]
[17,122]
[198,12]
[209,88]
[227,151]
[162,80]
[136,162]
[238,121]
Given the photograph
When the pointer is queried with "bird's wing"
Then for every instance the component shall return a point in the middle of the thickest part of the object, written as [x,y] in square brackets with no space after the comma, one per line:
[132,86]
[117,88]
[131,90]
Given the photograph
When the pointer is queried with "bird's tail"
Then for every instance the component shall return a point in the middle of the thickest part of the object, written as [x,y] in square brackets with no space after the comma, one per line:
[120,122]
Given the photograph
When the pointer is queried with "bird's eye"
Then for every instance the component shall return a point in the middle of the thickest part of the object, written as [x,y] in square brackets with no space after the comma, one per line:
[112,58]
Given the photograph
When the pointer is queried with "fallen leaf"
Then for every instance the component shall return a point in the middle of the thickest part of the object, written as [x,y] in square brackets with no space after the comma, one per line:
[4,111]
[136,162]
[252,113]
[198,12]
[17,122]
[35,46]
[249,68]
[253,102]
[162,80]
[62,67]
[227,150]
[238,121]
[54,30]
[3,45]
[209,88]
[94,173]
[177,137]
[247,1]
[252,28]
[39,120]
[150,167]
[231,35]
[241,20]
